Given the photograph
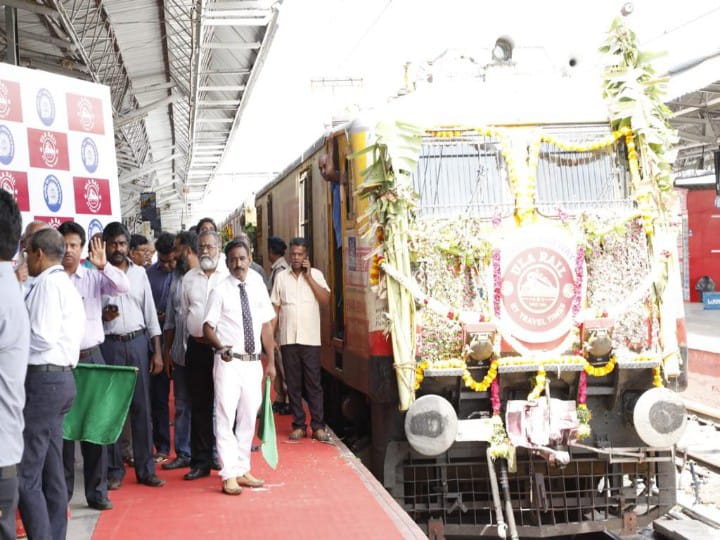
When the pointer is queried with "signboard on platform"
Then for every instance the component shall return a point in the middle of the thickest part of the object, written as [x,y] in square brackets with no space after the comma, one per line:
[57,148]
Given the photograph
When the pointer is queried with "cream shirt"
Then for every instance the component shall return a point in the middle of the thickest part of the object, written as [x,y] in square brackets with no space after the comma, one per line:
[299,317]
[196,287]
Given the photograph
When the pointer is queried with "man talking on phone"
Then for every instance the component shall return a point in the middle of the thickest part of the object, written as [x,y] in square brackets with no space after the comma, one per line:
[297,295]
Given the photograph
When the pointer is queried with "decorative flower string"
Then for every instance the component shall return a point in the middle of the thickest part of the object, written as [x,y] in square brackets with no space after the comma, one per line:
[583,413]
[377,259]
[539,387]
[657,377]
[483,385]
[601,371]
[500,446]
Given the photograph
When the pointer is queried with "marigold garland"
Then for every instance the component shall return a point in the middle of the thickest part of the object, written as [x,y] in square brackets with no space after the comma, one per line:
[657,377]
[540,379]
[583,413]
[601,371]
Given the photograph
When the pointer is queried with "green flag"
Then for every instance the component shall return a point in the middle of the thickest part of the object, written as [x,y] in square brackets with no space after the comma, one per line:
[266,429]
[101,404]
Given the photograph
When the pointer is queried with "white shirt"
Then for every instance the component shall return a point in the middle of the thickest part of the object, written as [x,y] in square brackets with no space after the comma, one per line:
[57,318]
[299,322]
[196,289]
[224,310]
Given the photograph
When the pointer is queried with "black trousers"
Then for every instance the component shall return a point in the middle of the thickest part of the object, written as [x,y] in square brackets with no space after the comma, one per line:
[302,376]
[8,505]
[133,353]
[199,360]
[95,457]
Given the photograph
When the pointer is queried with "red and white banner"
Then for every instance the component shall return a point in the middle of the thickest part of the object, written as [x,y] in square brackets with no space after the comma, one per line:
[57,148]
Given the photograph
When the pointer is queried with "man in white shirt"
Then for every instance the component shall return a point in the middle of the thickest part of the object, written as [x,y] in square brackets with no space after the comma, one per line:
[14,352]
[92,284]
[238,319]
[197,285]
[54,307]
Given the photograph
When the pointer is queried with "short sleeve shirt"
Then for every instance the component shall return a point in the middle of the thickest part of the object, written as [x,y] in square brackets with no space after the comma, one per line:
[299,317]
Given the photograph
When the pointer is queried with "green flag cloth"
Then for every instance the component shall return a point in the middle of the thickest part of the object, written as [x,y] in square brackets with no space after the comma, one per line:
[101,404]
[266,430]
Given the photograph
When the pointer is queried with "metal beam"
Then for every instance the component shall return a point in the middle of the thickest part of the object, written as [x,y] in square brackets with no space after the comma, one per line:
[33,7]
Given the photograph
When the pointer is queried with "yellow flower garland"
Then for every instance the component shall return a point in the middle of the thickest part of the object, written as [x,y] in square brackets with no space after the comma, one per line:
[483,385]
[601,371]
[540,379]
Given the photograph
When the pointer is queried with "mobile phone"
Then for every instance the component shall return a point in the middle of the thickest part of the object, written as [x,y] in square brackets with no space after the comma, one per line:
[112,307]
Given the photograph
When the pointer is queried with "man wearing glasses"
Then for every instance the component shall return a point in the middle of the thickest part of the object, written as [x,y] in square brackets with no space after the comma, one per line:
[199,358]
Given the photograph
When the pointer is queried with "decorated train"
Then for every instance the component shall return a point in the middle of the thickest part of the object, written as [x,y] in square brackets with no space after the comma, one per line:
[506,322]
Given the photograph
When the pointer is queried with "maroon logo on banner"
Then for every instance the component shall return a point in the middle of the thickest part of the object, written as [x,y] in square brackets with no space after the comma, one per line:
[10,103]
[53,221]
[92,195]
[16,183]
[48,149]
[85,114]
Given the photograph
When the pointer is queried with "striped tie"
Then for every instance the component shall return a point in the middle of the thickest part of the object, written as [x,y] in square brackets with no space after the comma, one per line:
[247,321]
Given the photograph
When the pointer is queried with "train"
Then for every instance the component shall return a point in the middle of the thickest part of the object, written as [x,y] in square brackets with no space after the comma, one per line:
[506,324]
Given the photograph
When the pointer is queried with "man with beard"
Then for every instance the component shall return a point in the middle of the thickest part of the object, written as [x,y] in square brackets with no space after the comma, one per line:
[131,324]
[174,347]
[160,275]
[238,319]
[55,308]
[92,284]
[197,285]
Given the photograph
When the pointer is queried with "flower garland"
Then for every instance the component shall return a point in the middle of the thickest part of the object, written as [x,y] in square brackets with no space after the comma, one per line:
[483,385]
[377,259]
[540,379]
[500,446]
[657,377]
[601,371]
[583,413]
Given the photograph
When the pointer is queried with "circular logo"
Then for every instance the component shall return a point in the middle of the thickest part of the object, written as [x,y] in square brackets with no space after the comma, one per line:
[93,199]
[7,182]
[537,286]
[86,114]
[54,222]
[7,146]
[94,228]
[5,102]
[90,157]
[45,106]
[52,193]
[48,149]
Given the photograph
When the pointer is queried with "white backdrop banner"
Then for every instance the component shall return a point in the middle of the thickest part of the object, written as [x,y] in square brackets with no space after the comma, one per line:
[57,148]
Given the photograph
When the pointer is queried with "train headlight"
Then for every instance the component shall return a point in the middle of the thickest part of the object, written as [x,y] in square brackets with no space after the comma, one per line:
[431,425]
[660,417]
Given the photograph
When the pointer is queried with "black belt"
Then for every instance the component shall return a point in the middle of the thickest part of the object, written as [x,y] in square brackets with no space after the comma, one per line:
[124,337]
[88,352]
[8,472]
[48,367]
[246,357]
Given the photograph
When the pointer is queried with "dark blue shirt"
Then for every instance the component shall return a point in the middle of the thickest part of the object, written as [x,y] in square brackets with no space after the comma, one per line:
[160,285]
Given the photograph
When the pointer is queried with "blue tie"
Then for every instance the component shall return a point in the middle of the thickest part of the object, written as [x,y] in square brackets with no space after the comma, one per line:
[247,321]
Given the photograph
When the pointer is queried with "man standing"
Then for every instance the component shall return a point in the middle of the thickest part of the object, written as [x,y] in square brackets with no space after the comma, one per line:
[55,309]
[14,350]
[91,283]
[197,285]
[21,271]
[276,254]
[131,325]
[175,346]
[160,275]
[297,296]
[238,317]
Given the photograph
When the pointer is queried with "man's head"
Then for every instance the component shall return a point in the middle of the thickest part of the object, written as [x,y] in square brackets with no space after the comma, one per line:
[140,250]
[47,248]
[186,251]
[165,247]
[276,248]
[298,252]
[10,226]
[208,250]
[206,224]
[237,257]
[74,236]
[116,238]
[30,229]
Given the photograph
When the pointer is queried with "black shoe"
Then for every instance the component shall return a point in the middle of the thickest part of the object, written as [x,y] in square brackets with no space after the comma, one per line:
[102,504]
[194,474]
[255,448]
[113,483]
[152,481]
[284,410]
[216,465]
[177,463]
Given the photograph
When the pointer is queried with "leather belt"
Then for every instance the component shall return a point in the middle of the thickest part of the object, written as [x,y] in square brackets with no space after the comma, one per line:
[48,367]
[124,337]
[88,352]
[8,472]
[246,357]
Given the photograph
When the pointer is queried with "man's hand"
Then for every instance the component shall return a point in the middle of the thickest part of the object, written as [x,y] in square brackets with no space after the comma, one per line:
[21,273]
[156,363]
[225,353]
[110,312]
[97,253]
[270,371]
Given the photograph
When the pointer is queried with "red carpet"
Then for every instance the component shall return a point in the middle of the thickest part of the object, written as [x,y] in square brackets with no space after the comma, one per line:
[315,493]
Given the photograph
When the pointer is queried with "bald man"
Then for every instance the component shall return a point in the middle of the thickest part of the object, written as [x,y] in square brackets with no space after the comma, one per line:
[21,270]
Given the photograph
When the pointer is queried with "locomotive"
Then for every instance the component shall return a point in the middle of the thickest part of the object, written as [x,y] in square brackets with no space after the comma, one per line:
[506,302]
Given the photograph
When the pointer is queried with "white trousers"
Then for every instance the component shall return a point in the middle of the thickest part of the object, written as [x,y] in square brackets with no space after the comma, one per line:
[238,396]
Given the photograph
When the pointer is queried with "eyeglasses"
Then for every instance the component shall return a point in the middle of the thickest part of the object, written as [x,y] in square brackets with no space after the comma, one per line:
[207,247]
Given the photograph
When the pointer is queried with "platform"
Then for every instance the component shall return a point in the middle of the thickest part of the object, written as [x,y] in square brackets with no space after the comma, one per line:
[319,491]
